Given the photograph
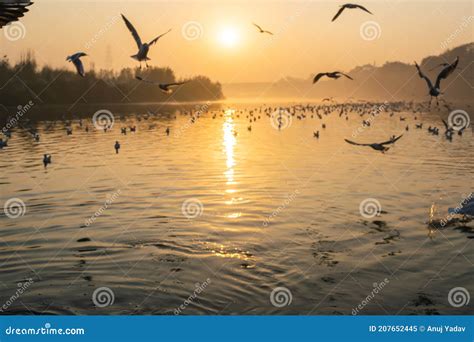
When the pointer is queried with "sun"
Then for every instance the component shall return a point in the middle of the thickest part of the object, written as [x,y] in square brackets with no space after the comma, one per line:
[228,37]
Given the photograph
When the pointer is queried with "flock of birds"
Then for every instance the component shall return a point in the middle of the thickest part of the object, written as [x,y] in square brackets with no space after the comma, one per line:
[365,111]
[140,56]
[11,10]
[143,49]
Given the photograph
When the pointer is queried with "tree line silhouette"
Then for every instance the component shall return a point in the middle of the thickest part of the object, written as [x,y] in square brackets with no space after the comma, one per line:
[25,81]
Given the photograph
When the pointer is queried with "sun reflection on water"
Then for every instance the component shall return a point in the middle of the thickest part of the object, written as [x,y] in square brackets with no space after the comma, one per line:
[229,142]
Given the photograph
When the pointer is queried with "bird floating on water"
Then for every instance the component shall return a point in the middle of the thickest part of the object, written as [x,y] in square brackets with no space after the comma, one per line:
[349,6]
[117,147]
[46,159]
[143,48]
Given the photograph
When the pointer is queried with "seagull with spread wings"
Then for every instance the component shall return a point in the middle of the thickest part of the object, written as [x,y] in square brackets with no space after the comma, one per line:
[261,30]
[165,87]
[377,146]
[76,60]
[335,75]
[12,10]
[349,6]
[143,48]
[434,90]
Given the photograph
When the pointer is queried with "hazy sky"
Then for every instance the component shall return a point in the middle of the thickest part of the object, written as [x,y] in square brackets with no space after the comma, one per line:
[228,48]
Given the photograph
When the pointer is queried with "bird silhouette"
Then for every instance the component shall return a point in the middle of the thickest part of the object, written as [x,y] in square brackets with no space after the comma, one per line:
[434,90]
[377,146]
[165,87]
[143,48]
[46,160]
[349,6]
[76,60]
[334,74]
[261,30]
[117,147]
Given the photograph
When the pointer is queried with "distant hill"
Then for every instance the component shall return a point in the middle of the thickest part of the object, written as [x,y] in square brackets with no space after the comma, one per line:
[391,81]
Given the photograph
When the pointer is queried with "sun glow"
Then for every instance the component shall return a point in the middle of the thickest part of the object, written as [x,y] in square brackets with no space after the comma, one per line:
[228,37]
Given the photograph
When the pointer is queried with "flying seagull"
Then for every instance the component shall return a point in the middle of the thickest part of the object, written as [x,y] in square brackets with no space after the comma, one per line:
[261,29]
[12,10]
[435,91]
[76,60]
[335,75]
[349,6]
[143,48]
[377,146]
[165,87]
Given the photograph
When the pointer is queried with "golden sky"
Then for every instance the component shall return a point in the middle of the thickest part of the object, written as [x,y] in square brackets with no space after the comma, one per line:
[228,48]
